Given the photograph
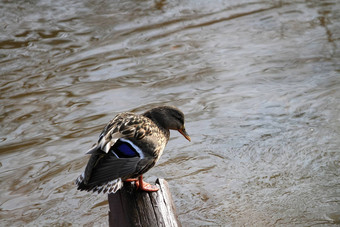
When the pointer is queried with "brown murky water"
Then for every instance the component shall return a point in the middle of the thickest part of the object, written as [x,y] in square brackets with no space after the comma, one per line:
[259,82]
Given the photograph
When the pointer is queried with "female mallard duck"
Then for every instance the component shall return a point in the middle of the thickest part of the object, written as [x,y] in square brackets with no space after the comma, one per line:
[129,146]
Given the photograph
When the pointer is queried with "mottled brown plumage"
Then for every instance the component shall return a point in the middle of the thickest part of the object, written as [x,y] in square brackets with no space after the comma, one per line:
[129,145]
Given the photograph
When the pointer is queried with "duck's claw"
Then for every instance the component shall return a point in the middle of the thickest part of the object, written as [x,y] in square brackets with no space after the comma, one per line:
[147,187]
[143,186]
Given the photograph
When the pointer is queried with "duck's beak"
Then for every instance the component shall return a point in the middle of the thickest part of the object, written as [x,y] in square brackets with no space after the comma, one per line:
[184,133]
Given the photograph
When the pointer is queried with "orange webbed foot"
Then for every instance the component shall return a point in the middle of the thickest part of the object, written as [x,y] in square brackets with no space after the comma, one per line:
[141,185]
[131,180]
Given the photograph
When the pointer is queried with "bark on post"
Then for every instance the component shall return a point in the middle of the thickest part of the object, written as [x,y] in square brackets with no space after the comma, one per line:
[130,207]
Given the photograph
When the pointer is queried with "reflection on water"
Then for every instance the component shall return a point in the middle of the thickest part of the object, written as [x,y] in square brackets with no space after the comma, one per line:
[259,83]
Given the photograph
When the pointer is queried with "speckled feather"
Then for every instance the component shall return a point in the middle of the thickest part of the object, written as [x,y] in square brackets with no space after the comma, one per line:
[147,133]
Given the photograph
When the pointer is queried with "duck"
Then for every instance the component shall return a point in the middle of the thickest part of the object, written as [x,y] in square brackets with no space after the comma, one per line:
[128,146]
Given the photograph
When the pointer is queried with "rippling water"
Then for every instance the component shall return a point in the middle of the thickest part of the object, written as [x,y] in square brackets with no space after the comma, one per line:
[259,82]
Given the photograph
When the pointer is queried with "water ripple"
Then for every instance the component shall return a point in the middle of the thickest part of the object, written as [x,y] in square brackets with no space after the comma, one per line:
[258,82]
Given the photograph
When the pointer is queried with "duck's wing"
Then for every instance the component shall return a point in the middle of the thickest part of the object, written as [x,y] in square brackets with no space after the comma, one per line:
[124,125]
[114,156]
[106,171]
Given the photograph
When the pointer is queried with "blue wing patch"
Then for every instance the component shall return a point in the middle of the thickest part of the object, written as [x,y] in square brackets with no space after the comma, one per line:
[124,150]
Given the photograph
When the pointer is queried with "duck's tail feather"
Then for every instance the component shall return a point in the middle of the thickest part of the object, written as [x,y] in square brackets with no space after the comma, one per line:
[108,187]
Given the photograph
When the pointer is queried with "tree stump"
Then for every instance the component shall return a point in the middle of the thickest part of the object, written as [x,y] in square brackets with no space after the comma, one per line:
[130,207]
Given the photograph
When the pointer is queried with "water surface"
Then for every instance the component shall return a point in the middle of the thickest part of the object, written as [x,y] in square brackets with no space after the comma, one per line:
[258,81]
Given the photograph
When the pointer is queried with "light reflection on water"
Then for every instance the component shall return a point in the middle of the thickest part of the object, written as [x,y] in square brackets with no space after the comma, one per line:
[258,81]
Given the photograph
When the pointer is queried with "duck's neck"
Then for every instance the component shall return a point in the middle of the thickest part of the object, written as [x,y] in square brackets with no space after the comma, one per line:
[158,119]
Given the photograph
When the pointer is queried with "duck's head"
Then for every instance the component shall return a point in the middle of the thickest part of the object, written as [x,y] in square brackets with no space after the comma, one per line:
[169,117]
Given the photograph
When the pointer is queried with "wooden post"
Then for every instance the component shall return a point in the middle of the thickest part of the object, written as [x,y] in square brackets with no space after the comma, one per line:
[130,207]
